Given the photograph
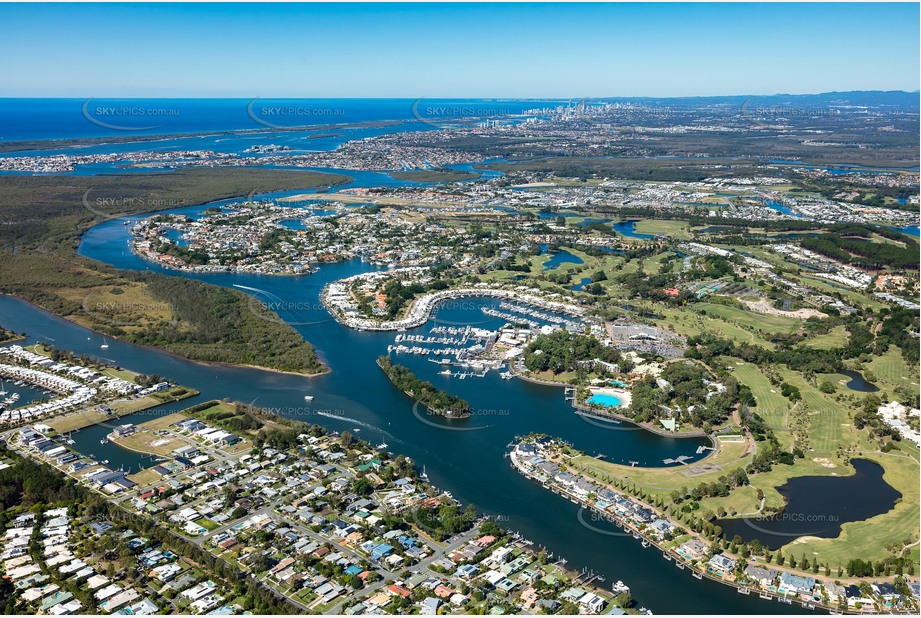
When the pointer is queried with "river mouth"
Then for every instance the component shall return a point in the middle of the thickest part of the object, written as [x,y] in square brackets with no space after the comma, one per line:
[818,506]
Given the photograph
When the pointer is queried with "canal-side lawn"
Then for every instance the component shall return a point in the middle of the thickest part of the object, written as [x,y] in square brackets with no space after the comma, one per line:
[146,440]
[661,482]
[145,477]
[77,420]
[122,410]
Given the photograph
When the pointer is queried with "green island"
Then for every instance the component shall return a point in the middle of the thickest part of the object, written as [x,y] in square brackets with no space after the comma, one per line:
[435,401]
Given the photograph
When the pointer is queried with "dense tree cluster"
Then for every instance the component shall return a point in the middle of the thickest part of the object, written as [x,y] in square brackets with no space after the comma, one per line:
[398,294]
[216,324]
[681,393]
[422,392]
[561,351]
[652,287]
[6,335]
[445,520]
[899,328]
[718,488]
[863,253]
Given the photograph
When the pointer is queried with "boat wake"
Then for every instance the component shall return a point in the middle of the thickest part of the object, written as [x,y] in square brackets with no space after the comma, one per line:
[355,421]
[250,289]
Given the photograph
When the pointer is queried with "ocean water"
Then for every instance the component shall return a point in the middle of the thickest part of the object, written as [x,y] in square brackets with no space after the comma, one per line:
[55,119]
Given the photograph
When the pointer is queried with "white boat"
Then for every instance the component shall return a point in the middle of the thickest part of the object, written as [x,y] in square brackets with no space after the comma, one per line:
[105,344]
[381,446]
[620,586]
[308,397]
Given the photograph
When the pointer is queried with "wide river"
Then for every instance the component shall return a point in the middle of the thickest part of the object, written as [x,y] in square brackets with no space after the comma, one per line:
[356,396]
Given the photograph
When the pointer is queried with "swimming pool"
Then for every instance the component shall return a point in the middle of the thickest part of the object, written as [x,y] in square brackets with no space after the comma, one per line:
[604,400]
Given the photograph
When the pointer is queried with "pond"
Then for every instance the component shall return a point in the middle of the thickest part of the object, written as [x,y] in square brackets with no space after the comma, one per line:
[818,506]
[577,287]
[858,382]
[562,257]
[628,230]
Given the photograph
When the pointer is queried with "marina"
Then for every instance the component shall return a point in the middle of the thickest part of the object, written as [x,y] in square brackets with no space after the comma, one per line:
[504,493]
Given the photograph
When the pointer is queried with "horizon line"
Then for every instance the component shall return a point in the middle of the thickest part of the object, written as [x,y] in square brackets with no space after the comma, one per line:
[484,98]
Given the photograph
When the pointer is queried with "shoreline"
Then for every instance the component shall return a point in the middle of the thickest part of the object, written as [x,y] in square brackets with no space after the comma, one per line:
[161,350]
[587,411]
[85,142]
[421,308]
[669,553]
[442,414]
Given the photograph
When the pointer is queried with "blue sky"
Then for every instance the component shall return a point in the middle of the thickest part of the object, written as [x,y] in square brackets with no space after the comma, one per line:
[452,50]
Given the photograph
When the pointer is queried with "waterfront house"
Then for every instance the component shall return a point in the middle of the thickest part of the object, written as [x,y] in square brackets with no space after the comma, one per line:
[692,549]
[855,597]
[762,576]
[722,564]
[592,603]
[662,527]
[888,593]
[834,591]
[501,555]
[796,584]
[123,431]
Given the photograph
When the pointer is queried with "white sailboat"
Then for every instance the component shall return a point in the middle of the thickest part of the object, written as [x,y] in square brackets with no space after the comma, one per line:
[105,344]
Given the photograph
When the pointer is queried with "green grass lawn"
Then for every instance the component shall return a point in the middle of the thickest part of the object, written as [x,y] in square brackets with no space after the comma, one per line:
[758,322]
[678,229]
[772,406]
[688,323]
[892,371]
[835,338]
[661,482]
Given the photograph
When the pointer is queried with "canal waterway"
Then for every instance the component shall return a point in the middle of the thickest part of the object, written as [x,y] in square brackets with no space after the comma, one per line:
[470,463]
